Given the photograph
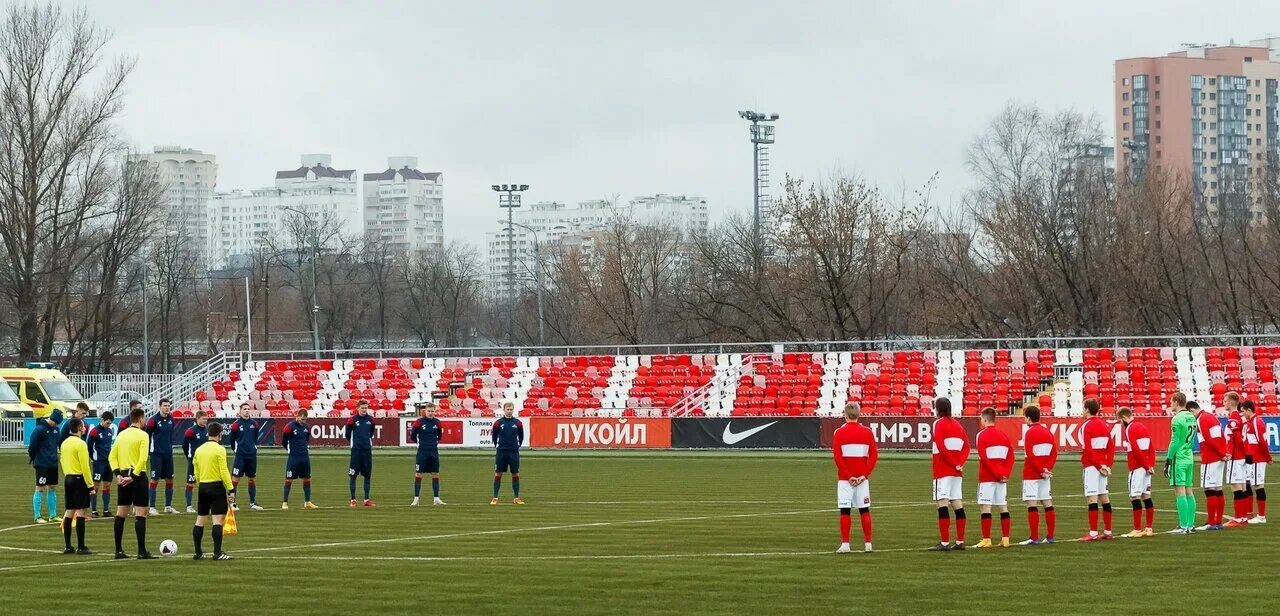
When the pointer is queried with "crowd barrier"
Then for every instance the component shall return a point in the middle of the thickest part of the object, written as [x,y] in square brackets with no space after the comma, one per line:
[892,433]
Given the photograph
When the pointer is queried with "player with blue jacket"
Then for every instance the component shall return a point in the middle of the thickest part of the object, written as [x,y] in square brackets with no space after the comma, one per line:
[296,439]
[508,436]
[359,432]
[426,432]
[244,435]
[43,455]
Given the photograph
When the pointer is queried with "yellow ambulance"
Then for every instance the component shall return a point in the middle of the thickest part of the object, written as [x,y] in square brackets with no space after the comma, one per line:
[43,388]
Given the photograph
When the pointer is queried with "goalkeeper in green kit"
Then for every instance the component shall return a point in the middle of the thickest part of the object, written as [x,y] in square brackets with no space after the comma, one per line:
[1179,464]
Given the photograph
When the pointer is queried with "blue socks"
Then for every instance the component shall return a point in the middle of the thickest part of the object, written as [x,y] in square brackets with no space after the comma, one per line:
[353,487]
[35,504]
[306,489]
[168,493]
[417,486]
[515,484]
[106,501]
[287,486]
[153,495]
[435,487]
[51,498]
[366,488]
[497,485]
[253,491]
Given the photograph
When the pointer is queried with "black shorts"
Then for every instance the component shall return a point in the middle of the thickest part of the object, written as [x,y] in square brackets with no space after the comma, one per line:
[136,494]
[245,466]
[427,463]
[76,492]
[298,469]
[46,476]
[161,466]
[507,461]
[211,499]
[102,471]
[361,463]
[191,471]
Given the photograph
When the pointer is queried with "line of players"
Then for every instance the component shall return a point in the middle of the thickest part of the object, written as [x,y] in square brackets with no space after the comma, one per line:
[1240,451]
[135,456]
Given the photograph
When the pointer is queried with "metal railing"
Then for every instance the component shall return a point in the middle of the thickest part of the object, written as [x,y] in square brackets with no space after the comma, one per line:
[186,385]
[10,433]
[90,384]
[906,343]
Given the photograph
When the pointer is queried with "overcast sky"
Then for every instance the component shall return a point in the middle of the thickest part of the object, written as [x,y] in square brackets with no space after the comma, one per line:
[583,99]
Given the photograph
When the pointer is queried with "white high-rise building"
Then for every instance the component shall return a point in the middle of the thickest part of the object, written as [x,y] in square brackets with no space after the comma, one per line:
[189,178]
[404,207]
[547,224]
[242,222]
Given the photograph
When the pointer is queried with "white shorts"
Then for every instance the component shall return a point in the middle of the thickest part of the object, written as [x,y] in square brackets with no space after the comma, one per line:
[1239,472]
[1259,474]
[948,488]
[1095,483]
[993,493]
[1036,490]
[1139,482]
[1211,475]
[849,496]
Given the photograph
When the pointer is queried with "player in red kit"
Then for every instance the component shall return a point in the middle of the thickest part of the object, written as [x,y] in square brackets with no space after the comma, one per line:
[854,448]
[995,465]
[1142,464]
[1213,450]
[950,450]
[1255,435]
[1238,467]
[1040,454]
[1098,452]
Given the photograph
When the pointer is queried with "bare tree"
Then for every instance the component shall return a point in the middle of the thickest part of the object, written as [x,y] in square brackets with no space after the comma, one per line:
[57,103]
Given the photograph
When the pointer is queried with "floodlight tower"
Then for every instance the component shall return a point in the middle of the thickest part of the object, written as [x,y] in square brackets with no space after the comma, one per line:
[509,198]
[761,139]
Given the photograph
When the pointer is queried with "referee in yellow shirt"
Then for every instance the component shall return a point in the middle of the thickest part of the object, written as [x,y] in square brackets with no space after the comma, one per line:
[129,455]
[74,456]
[215,491]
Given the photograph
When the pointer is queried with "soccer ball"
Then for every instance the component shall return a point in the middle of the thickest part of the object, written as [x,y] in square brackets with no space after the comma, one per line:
[168,547]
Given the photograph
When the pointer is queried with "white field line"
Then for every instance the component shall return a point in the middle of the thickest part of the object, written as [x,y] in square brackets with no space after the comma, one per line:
[892,505]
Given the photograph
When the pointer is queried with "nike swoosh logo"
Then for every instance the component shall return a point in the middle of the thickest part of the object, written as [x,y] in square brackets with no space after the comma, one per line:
[731,438]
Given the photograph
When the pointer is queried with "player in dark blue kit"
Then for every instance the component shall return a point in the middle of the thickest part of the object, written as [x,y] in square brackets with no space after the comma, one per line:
[160,428]
[80,412]
[100,438]
[244,442]
[295,439]
[508,435]
[43,454]
[360,435]
[192,439]
[426,432]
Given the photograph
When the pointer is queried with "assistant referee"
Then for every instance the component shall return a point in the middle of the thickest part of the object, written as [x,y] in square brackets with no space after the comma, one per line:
[215,490]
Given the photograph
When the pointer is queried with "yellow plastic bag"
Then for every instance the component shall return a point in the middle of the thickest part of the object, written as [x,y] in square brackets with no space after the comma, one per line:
[229,524]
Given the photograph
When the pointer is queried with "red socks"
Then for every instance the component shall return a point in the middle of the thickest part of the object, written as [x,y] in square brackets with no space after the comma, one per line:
[1093,518]
[846,523]
[1033,521]
[1151,514]
[865,518]
[960,524]
[986,526]
[1050,521]
[1005,523]
[1106,518]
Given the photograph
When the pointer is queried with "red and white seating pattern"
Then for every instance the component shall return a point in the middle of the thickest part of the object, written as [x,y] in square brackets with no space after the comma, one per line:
[770,384]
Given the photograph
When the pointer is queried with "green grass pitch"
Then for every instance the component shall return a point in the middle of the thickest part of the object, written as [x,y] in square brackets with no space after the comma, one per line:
[626,533]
